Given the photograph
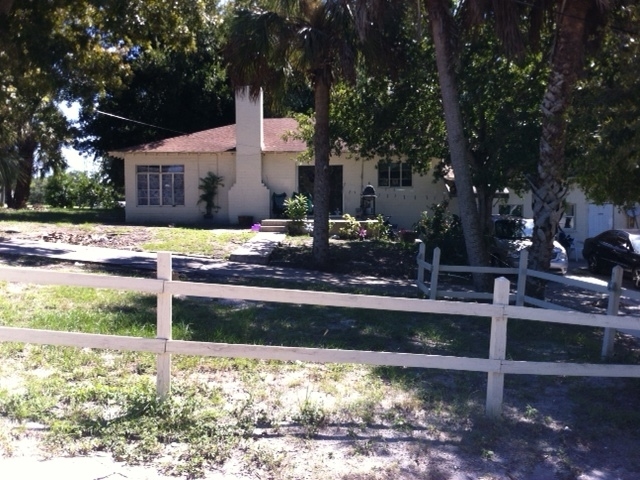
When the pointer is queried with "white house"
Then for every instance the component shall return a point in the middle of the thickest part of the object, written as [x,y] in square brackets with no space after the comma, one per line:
[257,159]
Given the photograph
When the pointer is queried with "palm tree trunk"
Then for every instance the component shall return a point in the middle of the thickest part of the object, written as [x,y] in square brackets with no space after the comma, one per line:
[321,146]
[550,185]
[441,29]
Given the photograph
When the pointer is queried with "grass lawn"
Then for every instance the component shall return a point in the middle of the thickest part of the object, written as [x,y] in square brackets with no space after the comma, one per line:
[290,420]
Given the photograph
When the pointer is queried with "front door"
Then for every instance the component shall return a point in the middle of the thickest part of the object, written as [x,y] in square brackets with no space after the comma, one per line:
[600,218]
[306,175]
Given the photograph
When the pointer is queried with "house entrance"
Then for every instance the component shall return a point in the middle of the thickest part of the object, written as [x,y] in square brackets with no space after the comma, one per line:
[306,175]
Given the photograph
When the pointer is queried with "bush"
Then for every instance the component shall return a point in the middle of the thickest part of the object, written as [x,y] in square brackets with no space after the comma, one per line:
[78,189]
[295,209]
[352,229]
[379,230]
[375,230]
[442,229]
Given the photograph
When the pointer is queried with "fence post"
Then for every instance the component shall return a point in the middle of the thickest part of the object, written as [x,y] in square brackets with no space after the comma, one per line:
[615,289]
[421,253]
[435,271]
[521,287]
[163,328]
[497,349]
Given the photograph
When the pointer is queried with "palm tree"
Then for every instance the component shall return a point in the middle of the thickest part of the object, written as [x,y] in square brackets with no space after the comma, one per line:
[574,22]
[320,39]
[209,189]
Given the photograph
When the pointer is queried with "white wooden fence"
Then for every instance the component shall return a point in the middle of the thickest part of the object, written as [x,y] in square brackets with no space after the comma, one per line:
[496,365]
[613,291]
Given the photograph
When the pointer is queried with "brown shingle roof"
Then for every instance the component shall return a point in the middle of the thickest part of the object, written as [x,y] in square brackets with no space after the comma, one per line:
[223,139]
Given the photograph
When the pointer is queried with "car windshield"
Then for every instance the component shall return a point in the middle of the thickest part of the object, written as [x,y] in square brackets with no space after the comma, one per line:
[514,228]
[635,241]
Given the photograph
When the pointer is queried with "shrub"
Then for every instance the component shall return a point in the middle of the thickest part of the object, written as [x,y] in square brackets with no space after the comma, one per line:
[379,230]
[295,209]
[442,229]
[351,229]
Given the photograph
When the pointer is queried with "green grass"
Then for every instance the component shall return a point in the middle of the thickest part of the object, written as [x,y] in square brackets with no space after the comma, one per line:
[64,216]
[194,241]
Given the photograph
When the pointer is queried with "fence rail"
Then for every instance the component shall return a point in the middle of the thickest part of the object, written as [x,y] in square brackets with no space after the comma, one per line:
[613,290]
[496,365]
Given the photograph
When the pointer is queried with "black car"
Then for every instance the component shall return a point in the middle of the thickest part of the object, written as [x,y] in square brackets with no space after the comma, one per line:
[614,247]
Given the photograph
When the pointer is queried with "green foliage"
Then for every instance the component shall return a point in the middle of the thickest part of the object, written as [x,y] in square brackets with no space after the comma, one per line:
[295,209]
[352,229]
[604,133]
[209,189]
[442,229]
[378,229]
[37,195]
[79,189]
[57,191]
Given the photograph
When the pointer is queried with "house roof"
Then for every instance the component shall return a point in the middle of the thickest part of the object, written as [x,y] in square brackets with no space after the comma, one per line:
[223,139]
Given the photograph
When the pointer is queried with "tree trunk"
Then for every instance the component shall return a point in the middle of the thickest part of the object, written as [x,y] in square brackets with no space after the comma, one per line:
[8,193]
[26,150]
[321,146]
[442,28]
[550,184]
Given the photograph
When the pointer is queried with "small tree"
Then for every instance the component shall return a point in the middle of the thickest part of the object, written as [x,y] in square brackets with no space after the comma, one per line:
[209,188]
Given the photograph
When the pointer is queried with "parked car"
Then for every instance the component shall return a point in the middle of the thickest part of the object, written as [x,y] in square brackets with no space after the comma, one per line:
[614,247]
[513,234]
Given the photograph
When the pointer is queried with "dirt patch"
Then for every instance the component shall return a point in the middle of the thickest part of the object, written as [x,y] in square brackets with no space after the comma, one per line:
[126,238]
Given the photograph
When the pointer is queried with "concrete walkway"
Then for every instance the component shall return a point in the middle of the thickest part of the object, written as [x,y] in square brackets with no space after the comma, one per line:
[258,249]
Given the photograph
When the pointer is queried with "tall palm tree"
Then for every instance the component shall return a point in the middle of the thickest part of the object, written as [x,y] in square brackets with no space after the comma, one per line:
[320,39]
[573,24]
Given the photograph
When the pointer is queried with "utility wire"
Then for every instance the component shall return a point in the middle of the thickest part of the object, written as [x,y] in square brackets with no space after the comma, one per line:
[140,123]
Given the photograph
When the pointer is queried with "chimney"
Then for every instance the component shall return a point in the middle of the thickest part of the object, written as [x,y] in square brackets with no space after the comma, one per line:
[248,196]
[249,131]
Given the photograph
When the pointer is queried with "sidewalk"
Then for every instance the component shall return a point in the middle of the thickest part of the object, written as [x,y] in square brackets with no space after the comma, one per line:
[203,265]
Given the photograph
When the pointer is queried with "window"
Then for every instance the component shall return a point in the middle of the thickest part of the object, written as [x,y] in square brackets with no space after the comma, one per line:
[568,219]
[510,209]
[160,185]
[394,174]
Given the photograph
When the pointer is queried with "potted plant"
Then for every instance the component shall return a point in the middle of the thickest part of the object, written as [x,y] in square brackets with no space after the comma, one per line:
[209,188]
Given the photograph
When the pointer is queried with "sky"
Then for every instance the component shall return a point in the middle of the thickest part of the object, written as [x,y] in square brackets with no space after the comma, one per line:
[75,160]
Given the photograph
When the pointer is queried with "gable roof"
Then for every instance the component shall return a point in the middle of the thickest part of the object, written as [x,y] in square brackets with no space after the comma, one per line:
[223,139]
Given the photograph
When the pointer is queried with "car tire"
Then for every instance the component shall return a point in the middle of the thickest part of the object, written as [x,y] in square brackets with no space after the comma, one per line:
[635,277]
[594,264]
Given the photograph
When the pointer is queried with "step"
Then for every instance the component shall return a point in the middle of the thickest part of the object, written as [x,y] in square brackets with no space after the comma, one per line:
[273,228]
